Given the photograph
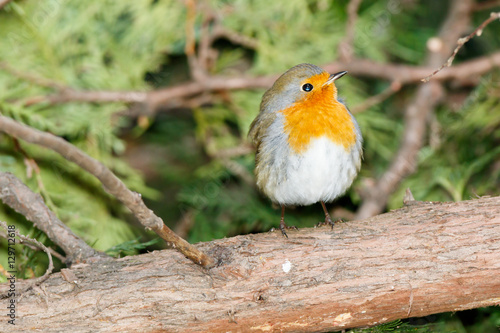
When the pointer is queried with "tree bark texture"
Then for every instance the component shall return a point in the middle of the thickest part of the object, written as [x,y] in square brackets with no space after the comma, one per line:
[15,194]
[422,259]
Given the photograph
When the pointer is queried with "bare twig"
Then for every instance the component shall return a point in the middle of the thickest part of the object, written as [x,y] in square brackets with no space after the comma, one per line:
[461,42]
[39,245]
[24,201]
[346,47]
[189,49]
[185,223]
[416,113]
[374,100]
[70,95]
[359,67]
[413,74]
[177,95]
[218,30]
[33,247]
[239,171]
[31,166]
[111,183]
[207,55]
[197,71]
[3,3]
[486,5]
[243,149]
[234,37]
[37,80]
[408,198]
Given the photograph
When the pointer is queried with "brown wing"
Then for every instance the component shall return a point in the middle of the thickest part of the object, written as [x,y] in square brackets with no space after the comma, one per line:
[259,126]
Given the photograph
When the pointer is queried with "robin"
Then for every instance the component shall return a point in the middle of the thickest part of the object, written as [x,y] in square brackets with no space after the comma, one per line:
[308,143]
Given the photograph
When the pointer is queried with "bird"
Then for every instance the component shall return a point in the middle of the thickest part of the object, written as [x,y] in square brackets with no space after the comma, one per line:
[308,144]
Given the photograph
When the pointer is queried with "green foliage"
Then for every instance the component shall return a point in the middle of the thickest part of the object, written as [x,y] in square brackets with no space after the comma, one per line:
[464,162]
[130,247]
[457,322]
[92,46]
[393,326]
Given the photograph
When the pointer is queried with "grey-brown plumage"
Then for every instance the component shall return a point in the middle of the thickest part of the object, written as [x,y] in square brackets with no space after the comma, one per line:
[322,169]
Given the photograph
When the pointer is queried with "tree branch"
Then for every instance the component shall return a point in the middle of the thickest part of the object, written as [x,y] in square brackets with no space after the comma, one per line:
[418,260]
[374,100]
[19,197]
[461,42]
[111,183]
[37,80]
[37,244]
[3,3]
[426,99]
[88,96]
[154,100]
[198,72]
[486,5]
[220,31]
[346,47]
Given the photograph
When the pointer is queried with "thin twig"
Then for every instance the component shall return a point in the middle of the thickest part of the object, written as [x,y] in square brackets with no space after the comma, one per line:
[111,183]
[346,47]
[197,71]
[234,37]
[86,96]
[31,166]
[206,54]
[423,104]
[33,247]
[486,5]
[39,245]
[186,222]
[37,80]
[15,194]
[212,28]
[461,42]
[152,100]
[241,150]
[239,171]
[3,3]
[393,88]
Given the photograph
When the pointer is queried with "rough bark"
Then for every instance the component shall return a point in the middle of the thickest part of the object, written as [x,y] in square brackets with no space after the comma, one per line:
[424,258]
[19,197]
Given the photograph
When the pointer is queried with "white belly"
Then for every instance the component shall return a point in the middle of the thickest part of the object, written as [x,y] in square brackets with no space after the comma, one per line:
[322,173]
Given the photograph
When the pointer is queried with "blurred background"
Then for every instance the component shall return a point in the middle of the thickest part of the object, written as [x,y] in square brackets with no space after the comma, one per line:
[163,93]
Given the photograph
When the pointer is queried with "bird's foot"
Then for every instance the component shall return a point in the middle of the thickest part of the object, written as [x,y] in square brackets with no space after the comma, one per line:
[328,221]
[284,227]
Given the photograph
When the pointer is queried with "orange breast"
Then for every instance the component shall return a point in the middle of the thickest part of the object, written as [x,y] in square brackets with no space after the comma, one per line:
[319,114]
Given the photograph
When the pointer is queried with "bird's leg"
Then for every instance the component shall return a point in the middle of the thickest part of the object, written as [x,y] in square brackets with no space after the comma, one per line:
[283,225]
[282,221]
[328,219]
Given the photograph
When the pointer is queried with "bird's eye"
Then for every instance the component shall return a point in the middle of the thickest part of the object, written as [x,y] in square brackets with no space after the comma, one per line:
[307,87]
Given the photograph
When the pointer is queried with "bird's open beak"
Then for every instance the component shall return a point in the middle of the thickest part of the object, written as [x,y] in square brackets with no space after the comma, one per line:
[334,77]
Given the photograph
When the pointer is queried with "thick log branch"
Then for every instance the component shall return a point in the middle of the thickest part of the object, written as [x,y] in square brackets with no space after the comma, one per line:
[424,258]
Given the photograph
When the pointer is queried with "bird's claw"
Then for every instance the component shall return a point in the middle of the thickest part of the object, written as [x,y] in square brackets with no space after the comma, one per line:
[283,227]
[328,221]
